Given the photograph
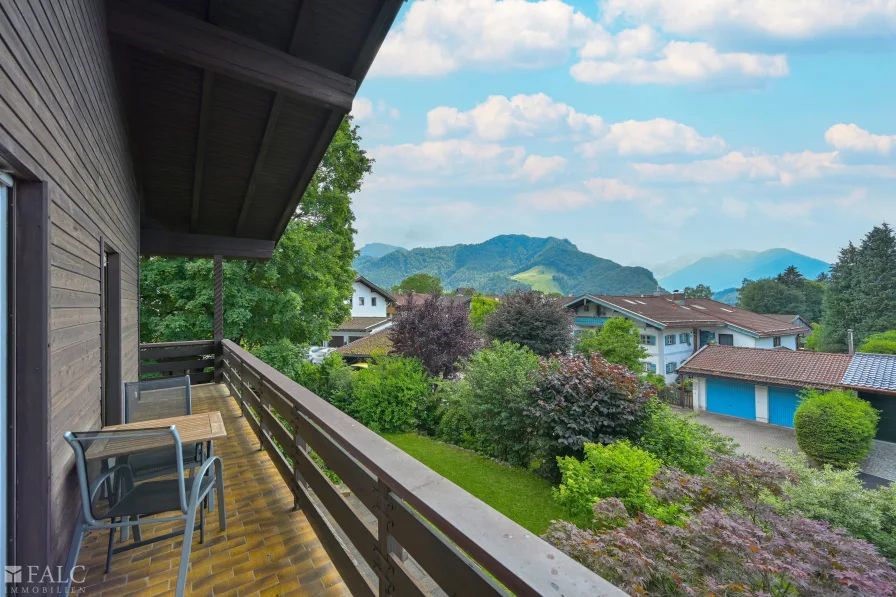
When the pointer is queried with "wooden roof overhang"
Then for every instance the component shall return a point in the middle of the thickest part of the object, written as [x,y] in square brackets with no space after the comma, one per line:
[231,105]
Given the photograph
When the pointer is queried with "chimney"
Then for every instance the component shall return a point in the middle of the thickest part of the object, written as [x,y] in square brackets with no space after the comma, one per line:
[678,297]
[851,341]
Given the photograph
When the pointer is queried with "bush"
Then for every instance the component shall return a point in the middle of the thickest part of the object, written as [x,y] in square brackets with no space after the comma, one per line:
[883,343]
[835,427]
[339,389]
[497,389]
[619,470]
[390,394]
[838,497]
[680,441]
[455,421]
[532,320]
[480,308]
[579,400]
[618,342]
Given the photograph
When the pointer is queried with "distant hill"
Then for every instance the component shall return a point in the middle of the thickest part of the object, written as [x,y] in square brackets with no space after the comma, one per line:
[511,262]
[728,269]
[377,250]
[728,296]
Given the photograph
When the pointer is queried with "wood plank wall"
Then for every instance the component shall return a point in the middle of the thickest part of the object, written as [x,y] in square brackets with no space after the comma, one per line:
[60,117]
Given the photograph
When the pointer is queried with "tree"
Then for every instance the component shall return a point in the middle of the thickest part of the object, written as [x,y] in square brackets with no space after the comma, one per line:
[618,341]
[480,308]
[530,319]
[433,331]
[861,294]
[883,343]
[787,293]
[297,296]
[701,291]
[421,284]
[791,277]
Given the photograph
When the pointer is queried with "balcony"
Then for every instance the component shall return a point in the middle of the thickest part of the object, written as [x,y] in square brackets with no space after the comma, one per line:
[392,527]
[591,321]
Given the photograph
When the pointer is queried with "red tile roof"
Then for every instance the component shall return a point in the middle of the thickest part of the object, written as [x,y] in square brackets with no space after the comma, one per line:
[821,370]
[375,344]
[665,310]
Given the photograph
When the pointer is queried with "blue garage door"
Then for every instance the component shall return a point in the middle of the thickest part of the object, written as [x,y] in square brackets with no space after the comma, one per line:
[782,403]
[731,398]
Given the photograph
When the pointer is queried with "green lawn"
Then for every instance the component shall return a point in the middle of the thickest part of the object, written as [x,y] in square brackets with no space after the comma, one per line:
[522,496]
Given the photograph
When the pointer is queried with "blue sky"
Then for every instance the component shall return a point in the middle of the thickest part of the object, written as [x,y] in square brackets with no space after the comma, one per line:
[638,129]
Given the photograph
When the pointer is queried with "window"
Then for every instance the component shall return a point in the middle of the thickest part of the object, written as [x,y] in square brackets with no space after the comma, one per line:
[648,340]
[671,367]
[776,341]
[373,301]
[650,367]
[670,340]
[587,307]
[684,339]
[726,339]
[360,301]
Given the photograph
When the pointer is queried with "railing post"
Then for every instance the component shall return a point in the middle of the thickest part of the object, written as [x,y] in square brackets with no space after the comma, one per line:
[263,409]
[301,446]
[386,543]
[219,318]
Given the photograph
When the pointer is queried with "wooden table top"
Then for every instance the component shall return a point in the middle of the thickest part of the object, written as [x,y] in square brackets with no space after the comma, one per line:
[193,429]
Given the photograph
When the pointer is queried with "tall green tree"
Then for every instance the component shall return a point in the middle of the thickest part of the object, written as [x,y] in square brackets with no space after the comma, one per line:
[787,293]
[861,294]
[700,291]
[618,342]
[532,320]
[296,297]
[480,308]
[421,283]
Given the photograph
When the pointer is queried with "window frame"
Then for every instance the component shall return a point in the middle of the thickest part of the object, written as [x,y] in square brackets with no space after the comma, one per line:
[670,340]
[360,301]
[776,342]
[671,367]
[719,339]
[373,301]
[684,338]
[648,340]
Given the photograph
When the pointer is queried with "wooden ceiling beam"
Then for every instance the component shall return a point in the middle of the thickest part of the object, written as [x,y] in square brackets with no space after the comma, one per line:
[181,244]
[376,32]
[187,39]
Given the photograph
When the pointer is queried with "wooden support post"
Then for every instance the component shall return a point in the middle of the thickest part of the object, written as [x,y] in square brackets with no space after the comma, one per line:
[219,318]
[301,446]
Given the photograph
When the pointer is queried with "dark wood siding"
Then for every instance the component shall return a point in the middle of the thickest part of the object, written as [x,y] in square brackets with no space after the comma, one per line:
[61,120]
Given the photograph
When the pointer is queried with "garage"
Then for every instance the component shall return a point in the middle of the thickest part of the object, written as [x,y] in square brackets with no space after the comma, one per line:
[732,398]
[782,403]
[886,405]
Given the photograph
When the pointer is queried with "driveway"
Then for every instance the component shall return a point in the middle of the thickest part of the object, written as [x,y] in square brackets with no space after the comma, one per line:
[756,439]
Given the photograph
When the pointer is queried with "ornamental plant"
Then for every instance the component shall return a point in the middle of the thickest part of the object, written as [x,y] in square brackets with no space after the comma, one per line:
[835,427]
[578,400]
[618,341]
[388,396]
[533,320]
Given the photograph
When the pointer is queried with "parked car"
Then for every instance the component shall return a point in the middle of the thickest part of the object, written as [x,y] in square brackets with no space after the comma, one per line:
[317,354]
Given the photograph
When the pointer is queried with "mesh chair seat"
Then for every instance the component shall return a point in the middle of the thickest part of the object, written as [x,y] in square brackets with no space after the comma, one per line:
[144,465]
[154,497]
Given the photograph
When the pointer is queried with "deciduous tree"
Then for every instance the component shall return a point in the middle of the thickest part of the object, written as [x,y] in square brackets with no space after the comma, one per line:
[618,342]
[700,291]
[421,284]
[530,319]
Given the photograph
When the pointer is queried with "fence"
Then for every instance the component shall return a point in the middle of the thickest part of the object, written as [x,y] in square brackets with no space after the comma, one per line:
[450,534]
[170,359]
[676,397]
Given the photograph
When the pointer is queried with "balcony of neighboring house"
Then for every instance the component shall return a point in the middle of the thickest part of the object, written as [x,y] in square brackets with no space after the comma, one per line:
[591,321]
[374,521]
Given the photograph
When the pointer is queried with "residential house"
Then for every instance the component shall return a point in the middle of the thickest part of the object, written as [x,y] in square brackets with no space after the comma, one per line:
[369,304]
[454,300]
[673,327]
[796,320]
[764,385]
[376,344]
[138,128]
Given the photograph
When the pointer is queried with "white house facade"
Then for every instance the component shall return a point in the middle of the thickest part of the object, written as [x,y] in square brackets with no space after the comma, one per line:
[672,328]
[369,304]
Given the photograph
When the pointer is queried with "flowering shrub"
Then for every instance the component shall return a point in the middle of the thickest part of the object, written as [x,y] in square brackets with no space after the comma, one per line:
[835,427]
[680,441]
[619,470]
[579,400]
[722,553]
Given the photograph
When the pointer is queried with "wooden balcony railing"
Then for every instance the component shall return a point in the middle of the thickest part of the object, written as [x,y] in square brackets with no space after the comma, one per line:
[449,534]
[170,359]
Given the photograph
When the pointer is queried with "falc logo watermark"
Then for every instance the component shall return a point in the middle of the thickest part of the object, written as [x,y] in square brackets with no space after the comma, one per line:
[44,580]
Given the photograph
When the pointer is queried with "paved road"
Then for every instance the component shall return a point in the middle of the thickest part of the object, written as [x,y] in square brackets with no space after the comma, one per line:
[756,439]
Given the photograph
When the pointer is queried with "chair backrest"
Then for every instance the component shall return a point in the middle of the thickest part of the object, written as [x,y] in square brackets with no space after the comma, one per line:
[102,469]
[157,399]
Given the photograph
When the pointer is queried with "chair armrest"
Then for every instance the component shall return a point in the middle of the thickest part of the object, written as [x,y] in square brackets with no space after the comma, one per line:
[197,479]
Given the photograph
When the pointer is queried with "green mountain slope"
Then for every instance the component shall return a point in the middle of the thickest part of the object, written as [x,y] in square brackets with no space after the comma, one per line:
[509,262]
[727,270]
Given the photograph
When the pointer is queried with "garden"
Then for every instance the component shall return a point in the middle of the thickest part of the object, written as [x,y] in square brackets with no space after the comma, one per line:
[576,446]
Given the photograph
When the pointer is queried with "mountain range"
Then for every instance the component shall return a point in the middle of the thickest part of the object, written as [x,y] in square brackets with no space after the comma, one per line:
[506,263]
[728,269]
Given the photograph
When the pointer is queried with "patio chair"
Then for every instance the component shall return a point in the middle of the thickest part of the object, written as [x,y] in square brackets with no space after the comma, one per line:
[123,502]
[159,399]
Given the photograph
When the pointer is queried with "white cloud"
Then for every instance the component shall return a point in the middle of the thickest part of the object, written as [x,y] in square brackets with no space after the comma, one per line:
[628,42]
[652,137]
[681,62]
[500,118]
[850,137]
[783,19]
[437,37]
[786,168]
[362,108]
[589,192]
[537,167]
[734,207]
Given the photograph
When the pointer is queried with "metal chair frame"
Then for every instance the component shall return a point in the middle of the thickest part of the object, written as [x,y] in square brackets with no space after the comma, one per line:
[118,477]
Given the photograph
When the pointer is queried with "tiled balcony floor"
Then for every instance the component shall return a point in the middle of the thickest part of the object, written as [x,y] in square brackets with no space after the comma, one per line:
[268,549]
